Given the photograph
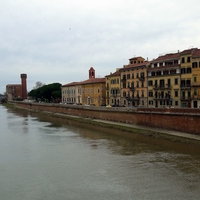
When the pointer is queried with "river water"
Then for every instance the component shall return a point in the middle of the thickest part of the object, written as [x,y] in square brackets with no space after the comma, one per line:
[43,158]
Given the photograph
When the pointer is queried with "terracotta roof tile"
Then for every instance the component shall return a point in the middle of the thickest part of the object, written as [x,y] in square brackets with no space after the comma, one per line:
[196,53]
[131,66]
[113,74]
[93,80]
[169,56]
[189,51]
[88,81]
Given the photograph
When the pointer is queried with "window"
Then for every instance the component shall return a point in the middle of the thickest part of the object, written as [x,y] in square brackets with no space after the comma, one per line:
[194,65]
[150,93]
[165,72]
[124,94]
[150,102]
[142,84]
[183,60]
[195,79]
[162,102]
[189,94]
[188,59]
[132,75]
[176,81]
[189,70]
[150,83]
[168,82]
[158,73]
[176,93]
[183,71]
[142,93]
[128,76]
[176,103]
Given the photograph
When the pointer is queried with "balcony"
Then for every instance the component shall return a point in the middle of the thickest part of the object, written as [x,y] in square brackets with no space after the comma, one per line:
[185,98]
[195,97]
[168,87]
[162,87]
[185,87]
[131,88]
[141,78]
[136,98]
[195,84]
[123,80]
[156,87]
[161,97]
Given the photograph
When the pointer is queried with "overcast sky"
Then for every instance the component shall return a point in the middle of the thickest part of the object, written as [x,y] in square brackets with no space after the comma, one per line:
[59,40]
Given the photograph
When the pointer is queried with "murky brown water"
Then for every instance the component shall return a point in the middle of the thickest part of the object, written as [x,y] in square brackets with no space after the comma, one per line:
[45,158]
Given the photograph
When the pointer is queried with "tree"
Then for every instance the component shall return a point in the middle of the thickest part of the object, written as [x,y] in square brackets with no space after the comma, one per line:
[48,93]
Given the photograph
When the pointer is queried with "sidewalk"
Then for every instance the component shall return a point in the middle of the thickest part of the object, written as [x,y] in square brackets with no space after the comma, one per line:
[158,130]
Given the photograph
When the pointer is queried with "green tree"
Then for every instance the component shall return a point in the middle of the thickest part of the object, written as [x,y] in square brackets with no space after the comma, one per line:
[48,93]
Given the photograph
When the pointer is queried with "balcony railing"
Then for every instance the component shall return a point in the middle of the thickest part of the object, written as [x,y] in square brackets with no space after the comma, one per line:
[132,88]
[136,98]
[195,97]
[185,87]
[123,79]
[168,87]
[195,84]
[141,78]
[166,97]
[156,87]
[185,98]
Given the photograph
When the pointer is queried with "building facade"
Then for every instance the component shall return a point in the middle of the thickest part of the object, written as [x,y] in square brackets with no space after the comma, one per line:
[195,83]
[17,91]
[164,81]
[89,92]
[113,86]
[134,82]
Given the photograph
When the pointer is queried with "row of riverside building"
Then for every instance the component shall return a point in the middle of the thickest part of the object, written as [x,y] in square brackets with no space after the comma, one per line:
[170,80]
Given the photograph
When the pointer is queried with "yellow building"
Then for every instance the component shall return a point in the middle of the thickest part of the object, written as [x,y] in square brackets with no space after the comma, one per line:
[90,92]
[186,77]
[164,81]
[195,83]
[113,89]
[134,82]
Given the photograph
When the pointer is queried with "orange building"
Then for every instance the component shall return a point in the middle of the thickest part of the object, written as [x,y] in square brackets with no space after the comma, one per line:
[17,91]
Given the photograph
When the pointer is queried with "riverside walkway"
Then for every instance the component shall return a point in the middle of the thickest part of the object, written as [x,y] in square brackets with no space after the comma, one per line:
[169,134]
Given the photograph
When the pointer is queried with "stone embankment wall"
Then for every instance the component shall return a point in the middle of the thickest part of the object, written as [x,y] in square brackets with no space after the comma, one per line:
[184,119]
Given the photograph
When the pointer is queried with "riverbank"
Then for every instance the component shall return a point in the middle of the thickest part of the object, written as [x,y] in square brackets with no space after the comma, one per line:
[128,128]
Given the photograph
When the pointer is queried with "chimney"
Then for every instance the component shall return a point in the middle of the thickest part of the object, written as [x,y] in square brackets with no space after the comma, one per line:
[24,88]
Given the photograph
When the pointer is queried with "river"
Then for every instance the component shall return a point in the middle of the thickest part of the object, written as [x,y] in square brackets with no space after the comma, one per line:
[44,158]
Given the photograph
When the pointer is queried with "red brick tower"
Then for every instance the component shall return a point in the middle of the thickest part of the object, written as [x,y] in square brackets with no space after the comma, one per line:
[91,73]
[24,88]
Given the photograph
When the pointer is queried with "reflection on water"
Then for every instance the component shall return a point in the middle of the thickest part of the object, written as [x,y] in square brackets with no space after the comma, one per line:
[48,158]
